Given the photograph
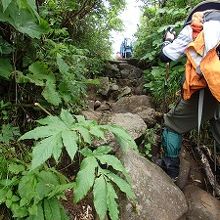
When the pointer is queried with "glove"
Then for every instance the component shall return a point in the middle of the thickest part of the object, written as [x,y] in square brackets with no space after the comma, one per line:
[169,34]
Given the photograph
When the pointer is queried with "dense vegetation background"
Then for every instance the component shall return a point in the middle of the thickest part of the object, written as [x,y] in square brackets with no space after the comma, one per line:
[157,17]
[49,52]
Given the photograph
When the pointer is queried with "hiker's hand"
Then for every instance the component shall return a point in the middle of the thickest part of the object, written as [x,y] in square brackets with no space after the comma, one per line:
[170,34]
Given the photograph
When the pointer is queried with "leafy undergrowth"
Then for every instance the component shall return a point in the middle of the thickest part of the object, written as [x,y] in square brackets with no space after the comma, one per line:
[34,190]
[49,52]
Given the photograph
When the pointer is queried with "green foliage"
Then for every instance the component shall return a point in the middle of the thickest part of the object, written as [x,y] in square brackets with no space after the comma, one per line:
[66,131]
[98,170]
[23,16]
[150,140]
[155,82]
[5,68]
[155,19]
[8,133]
[49,50]
[4,108]
[30,195]
[39,37]
[103,180]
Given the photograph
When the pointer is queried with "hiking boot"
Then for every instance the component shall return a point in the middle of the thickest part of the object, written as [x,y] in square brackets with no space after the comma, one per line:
[170,165]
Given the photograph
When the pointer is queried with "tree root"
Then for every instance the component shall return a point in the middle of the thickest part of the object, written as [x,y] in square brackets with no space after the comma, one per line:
[209,173]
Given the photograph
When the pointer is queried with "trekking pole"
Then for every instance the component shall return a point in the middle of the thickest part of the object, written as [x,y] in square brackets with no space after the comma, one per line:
[215,169]
[166,86]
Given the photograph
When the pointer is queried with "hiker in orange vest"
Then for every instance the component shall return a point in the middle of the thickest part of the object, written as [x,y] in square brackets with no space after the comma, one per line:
[199,41]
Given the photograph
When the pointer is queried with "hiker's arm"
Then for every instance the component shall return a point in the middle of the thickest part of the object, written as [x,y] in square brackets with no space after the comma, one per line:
[174,50]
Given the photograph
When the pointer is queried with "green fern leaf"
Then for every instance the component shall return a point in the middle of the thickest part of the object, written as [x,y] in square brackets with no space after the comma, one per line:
[111,202]
[80,118]
[58,145]
[8,133]
[122,184]
[100,197]
[113,161]
[37,133]
[63,67]
[122,136]
[70,142]
[102,150]
[85,178]
[52,209]
[97,132]
[85,134]
[39,215]
[16,168]
[86,152]
[45,149]
[50,93]
[5,4]
[5,68]
[67,117]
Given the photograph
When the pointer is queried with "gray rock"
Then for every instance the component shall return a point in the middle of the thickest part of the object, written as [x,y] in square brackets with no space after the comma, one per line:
[104,85]
[127,82]
[113,67]
[130,104]
[91,104]
[112,70]
[158,198]
[133,123]
[202,206]
[125,91]
[92,115]
[105,106]
[148,115]
[114,87]
[130,71]
[184,173]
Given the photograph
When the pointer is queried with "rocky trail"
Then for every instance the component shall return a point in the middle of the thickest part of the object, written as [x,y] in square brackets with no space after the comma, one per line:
[120,99]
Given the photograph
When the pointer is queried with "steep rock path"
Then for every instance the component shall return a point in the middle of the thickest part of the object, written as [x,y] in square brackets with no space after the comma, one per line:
[120,99]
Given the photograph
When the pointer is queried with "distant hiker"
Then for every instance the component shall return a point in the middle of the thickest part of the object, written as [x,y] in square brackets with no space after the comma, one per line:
[126,48]
[199,41]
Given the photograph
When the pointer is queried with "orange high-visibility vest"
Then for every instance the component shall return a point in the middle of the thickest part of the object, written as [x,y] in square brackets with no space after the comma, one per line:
[200,71]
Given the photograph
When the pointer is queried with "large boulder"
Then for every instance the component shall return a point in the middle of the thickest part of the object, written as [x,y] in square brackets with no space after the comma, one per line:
[130,104]
[202,205]
[132,123]
[111,70]
[148,115]
[158,198]
[130,71]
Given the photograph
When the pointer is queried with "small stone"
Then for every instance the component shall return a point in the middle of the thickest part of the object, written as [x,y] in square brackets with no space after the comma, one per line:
[114,87]
[104,85]
[125,91]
